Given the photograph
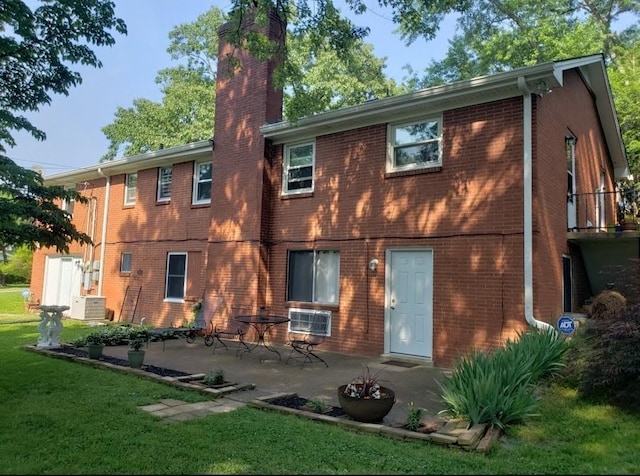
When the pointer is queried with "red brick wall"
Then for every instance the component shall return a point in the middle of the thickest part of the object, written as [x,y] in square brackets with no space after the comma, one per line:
[567,109]
[245,101]
[469,212]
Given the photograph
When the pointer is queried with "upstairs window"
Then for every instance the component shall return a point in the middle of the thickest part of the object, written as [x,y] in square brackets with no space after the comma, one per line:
[202,182]
[298,168]
[164,184]
[314,276]
[414,145]
[131,186]
[68,203]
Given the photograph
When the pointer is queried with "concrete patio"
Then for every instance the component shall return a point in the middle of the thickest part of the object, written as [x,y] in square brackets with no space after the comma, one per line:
[415,382]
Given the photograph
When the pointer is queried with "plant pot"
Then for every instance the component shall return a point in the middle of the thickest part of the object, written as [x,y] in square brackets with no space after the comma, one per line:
[95,350]
[367,410]
[136,358]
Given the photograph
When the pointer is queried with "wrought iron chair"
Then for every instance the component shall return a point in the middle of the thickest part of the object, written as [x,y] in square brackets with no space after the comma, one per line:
[303,342]
[229,330]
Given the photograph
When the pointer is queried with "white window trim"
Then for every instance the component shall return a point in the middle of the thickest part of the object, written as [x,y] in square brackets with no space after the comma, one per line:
[295,327]
[391,128]
[122,255]
[127,189]
[196,182]
[166,279]
[314,282]
[68,204]
[158,197]
[285,168]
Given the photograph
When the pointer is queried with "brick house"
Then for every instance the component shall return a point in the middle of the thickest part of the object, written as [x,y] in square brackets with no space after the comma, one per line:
[418,226]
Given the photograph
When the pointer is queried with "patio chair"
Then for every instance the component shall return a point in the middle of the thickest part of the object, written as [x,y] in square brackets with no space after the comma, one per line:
[303,343]
[230,330]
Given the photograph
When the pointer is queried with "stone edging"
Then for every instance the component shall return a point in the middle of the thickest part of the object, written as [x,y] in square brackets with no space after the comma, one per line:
[454,433]
[175,381]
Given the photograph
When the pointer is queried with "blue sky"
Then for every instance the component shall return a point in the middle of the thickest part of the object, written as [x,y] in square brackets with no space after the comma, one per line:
[73,123]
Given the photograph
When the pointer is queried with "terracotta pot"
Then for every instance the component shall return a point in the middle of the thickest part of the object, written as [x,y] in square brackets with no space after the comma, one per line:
[367,410]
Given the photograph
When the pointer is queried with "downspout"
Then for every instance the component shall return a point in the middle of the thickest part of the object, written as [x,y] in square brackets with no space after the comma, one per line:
[528,208]
[103,238]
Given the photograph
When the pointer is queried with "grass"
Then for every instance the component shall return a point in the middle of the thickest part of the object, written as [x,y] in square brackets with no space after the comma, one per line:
[66,418]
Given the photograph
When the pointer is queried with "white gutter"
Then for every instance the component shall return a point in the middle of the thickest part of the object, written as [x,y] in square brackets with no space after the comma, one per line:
[528,209]
[103,244]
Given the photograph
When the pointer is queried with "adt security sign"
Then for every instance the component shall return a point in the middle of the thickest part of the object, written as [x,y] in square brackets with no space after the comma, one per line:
[566,325]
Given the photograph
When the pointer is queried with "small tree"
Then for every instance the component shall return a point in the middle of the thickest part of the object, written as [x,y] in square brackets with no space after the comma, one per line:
[36,49]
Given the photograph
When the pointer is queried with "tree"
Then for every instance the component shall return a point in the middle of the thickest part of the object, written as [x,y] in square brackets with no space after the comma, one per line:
[36,49]
[318,80]
[186,112]
[495,35]
[624,76]
[499,36]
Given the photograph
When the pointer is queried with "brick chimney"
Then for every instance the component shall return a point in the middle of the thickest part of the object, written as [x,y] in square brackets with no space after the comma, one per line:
[246,99]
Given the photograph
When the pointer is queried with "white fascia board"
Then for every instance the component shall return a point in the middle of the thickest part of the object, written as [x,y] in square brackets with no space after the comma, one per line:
[434,100]
[158,158]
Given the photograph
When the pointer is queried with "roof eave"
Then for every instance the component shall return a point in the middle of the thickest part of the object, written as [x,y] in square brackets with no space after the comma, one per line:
[158,158]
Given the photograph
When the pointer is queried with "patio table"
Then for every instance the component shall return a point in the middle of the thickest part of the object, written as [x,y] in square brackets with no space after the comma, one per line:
[262,323]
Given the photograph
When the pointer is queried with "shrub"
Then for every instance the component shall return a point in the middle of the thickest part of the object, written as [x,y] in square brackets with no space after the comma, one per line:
[496,388]
[607,304]
[606,360]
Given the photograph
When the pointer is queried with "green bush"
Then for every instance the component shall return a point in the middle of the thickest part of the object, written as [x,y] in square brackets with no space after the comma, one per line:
[605,360]
[497,388]
[115,335]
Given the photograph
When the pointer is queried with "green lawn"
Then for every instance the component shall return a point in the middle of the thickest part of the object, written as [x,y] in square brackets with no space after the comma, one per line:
[66,418]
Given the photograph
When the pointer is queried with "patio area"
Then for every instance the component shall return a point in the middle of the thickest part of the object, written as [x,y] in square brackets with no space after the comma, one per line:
[411,381]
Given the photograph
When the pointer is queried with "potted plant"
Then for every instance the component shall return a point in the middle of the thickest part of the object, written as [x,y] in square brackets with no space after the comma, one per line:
[628,208]
[95,344]
[364,399]
[137,340]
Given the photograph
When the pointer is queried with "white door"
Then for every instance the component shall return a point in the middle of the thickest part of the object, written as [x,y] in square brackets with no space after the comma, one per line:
[62,279]
[410,302]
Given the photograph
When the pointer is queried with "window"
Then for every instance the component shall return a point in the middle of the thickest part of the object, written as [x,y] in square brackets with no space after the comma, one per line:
[131,186]
[313,276]
[164,184]
[306,321]
[176,276]
[202,183]
[68,203]
[125,263]
[414,146]
[298,169]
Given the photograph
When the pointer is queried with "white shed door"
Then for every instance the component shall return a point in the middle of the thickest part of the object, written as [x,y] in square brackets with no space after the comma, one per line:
[62,279]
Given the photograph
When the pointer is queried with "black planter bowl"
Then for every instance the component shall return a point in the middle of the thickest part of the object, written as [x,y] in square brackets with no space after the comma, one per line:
[367,410]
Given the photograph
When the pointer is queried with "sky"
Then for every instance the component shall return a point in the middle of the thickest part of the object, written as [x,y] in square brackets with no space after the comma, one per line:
[73,123]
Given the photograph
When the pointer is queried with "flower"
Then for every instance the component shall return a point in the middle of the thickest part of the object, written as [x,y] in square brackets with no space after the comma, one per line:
[364,386]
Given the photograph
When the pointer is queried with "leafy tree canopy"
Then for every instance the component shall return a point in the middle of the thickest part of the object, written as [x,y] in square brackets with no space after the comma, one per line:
[37,49]
[318,80]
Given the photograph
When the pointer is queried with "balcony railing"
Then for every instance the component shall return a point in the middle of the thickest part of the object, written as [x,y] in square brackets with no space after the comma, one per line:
[594,212]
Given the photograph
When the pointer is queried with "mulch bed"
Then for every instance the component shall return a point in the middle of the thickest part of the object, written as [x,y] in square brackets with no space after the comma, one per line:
[300,403]
[80,352]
